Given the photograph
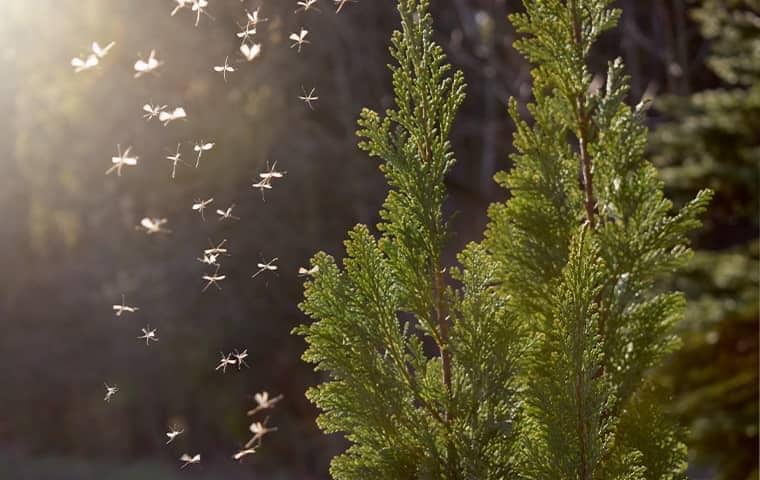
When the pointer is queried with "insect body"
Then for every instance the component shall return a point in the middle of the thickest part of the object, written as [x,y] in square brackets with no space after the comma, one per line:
[149,335]
[172,434]
[223,69]
[147,66]
[264,402]
[259,429]
[119,309]
[167,117]
[152,111]
[153,225]
[110,392]
[189,460]
[101,52]
[308,98]
[121,160]
[227,214]
[306,5]
[199,148]
[224,362]
[266,267]
[299,39]
[200,205]
[175,159]
[250,52]
[82,64]
[213,279]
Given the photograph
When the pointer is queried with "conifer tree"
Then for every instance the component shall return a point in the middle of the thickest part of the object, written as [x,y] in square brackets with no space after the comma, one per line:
[420,372]
[579,245]
[712,137]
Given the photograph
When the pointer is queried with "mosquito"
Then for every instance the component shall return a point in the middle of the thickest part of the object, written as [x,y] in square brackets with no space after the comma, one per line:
[308,98]
[175,159]
[153,225]
[254,19]
[225,362]
[304,272]
[147,66]
[152,111]
[266,267]
[200,205]
[246,32]
[173,433]
[342,3]
[189,460]
[210,259]
[180,5]
[148,335]
[201,147]
[101,52]
[250,52]
[213,279]
[242,453]
[119,309]
[122,159]
[198,7]
[272,173]
[263,185]
[241,356]
[259,429]
[178,113]
[110,392]
[264,402]
[82,64]
[223,69]
[227,214]
[306,5]
[299,39]
[216,250]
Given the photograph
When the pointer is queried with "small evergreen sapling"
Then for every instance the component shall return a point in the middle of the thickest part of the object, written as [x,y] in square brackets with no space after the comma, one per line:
[580,245]
[409,413]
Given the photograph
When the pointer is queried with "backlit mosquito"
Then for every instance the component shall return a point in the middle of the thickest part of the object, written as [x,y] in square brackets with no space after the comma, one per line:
[175,159]
[213,279]
[223,69]
[121,160]
[308,98]
[227,214]
[149,335]
[200,205]
[299,39]
[266,267]
[153,225]
[119,309]
[199,148]
[110,392]
[306,5]
[264,402]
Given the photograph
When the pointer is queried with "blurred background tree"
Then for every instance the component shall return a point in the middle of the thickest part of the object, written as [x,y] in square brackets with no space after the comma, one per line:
[68,247]
[712,138]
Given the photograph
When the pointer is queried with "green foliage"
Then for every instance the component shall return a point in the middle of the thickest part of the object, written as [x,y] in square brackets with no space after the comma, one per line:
[711,139]
[580,246]
[409,413]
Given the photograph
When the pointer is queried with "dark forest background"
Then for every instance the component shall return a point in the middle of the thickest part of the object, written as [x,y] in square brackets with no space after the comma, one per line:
[69,249]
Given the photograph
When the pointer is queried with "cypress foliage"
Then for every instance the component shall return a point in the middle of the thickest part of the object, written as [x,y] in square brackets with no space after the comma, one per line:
[712,138]
[409,412]
[580,246]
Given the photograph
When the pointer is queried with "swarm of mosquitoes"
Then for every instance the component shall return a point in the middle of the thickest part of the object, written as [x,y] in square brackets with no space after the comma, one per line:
[250,50]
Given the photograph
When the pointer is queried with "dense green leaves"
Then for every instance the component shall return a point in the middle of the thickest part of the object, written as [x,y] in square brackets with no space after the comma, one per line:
[545,333]
[409,413]
[581,243]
